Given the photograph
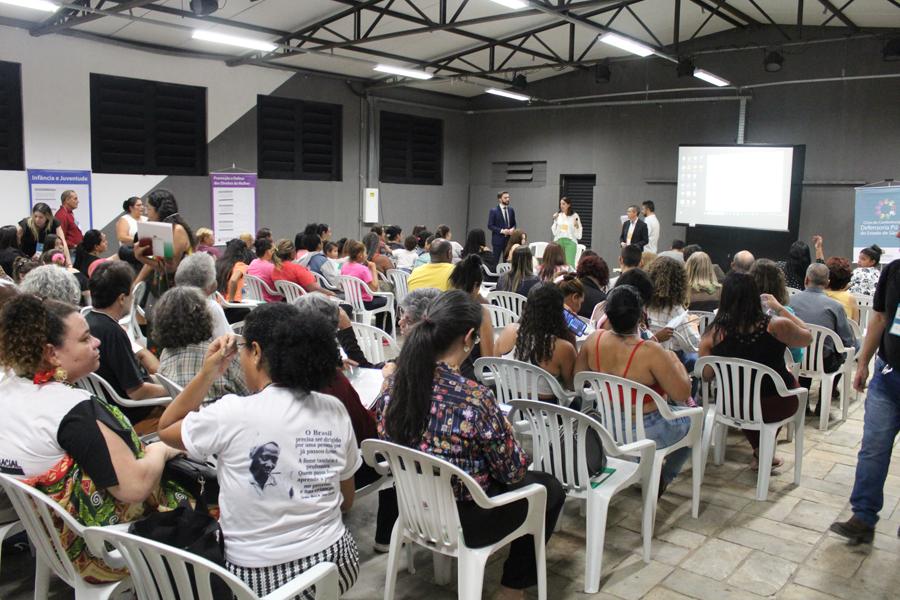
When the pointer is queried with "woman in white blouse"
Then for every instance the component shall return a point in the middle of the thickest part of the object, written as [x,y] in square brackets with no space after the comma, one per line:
[865,276]
[566,229]
[126,226]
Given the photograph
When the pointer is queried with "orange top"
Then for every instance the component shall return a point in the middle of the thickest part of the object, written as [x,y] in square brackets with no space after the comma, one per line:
[239,290]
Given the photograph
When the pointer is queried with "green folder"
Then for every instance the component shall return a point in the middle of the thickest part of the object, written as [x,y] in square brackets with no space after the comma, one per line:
[599,479]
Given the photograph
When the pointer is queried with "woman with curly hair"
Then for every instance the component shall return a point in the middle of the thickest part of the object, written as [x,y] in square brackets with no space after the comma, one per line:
[667,303]
[73,446]
[553,263]
[704,288]
[182,328]
[542,338]
[286,453]
[593,273]
[839,275]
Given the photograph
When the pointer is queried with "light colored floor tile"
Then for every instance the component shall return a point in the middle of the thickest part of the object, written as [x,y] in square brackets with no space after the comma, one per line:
[793,591]
[633,578]
[787,550]
[717,559]
[835,556]
[762,574]
[812,515]
[683,537]
[703,588]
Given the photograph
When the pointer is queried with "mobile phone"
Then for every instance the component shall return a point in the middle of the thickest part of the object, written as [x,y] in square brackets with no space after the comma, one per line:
[576,325]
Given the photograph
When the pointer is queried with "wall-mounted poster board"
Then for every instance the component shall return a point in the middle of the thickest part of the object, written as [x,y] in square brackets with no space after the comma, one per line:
[47,185]
[233,205]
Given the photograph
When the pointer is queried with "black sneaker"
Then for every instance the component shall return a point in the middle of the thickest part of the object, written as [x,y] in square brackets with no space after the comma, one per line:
[855,531]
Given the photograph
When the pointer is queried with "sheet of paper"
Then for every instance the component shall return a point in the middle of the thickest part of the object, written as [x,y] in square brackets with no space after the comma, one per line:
[162,236]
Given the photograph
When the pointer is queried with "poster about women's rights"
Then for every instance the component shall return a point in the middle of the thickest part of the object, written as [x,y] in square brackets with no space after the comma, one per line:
[877,220]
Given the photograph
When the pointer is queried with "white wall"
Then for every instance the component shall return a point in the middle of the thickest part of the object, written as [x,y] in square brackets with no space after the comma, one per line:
[56,105]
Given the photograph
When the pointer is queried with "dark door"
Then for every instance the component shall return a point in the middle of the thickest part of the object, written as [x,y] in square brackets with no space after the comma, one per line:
[579,189]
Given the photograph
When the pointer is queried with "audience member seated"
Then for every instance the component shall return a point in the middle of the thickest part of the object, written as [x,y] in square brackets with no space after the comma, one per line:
[358,266]
[443,232]
[629,258]
[593,273]
[393,235]
[742,261]
[814,307]
[863,281]
[639,280]
[435,273]
[9,248]
[516,239]
[124,366]
[263,266]
[33,231]
[182,328]
[317,259]
[541,338]
[676,251]
[520,278]
[647,259]
[74,447]
[691,249]
[206,243]
[93,245]
[704,288]
[476,243]
[282,489]
[573,292]
[157,271]
[288,270]
[374,251]
[770,280]
[553,263]
[422,241]
[405,256]
[52,282]
[467,276]
[667,303]
[622,352]
[231,268]
[57,258]
[742,329]
[839,275]
[427,405]
[199,270]
[413,308]
[794,266]
[22,266]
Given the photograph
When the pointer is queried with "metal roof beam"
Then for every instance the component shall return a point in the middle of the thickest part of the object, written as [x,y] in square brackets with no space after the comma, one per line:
[837,12]
[68,20]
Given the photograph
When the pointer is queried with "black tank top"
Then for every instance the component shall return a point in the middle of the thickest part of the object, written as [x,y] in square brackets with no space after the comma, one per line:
[759,346]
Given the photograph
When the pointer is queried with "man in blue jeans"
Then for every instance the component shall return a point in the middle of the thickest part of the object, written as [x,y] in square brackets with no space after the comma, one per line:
[882,420]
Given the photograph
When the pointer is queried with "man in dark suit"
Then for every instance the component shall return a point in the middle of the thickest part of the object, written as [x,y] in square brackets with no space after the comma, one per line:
[634,231]
[502,222]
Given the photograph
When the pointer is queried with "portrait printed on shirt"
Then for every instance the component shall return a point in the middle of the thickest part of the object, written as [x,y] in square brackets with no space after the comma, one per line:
[263,460]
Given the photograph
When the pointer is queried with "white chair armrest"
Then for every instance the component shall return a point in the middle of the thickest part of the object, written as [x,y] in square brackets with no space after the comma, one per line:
[389,295]
[161,401]
[323,575]
[641,447]
[98,548]
[533,490]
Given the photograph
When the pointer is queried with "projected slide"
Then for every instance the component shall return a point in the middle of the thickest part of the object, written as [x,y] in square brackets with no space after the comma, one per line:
[734,186]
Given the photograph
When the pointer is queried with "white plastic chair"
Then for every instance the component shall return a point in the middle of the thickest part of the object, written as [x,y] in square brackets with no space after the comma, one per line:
[41,517]
[10,525]
[237,328]
[429,516]
[255,289]
[377,345]
[537,249]
[556,431]
[813,367]
[517,380]
[172,388]
[508,300]
[738,389]
[131,322]
[792,291]
[323,282]
[244,303]
[620,404]
[598,312]
[353,294]
[290,290]
[162,572]
[703,318]
[503,268]
[399,279]
[101,388]
[865,308]
[579,250]
[501,317]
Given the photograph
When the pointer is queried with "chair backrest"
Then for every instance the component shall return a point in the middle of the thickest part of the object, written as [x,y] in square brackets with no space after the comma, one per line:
[162,572]
[509,300]
[172,388]
[399,279]
[323,282]
[425,496]
[738,387]
[516,380]
[619,403]
[501,317]
[703,318]
[237,328]
[865,307]
[598,312]
[813,362]
[101,388]
[504,268]
[353,291]
[290,290]
[579,250]
[792,291]
[537,249]
[557,431]
[256,288]
[487,271]
[857,330]
[377,345]
[39,515]
[137,294]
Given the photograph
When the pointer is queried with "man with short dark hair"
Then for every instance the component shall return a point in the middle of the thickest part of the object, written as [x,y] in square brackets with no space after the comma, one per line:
[629,258]
[501,222]
[634,231]
[119,360]
[434,274]
[676,252]
[649,210]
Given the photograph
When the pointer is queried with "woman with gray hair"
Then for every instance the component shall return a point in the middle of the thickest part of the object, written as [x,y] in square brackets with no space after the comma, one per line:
[51,282]
[182,327]
[413,307]
[199,270]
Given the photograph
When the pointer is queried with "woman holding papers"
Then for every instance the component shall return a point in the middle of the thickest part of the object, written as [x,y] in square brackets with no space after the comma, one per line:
[159,271]
[666,310]
[566,229]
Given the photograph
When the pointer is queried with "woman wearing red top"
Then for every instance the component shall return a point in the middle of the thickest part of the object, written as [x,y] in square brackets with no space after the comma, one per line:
[287,270]
[621,352]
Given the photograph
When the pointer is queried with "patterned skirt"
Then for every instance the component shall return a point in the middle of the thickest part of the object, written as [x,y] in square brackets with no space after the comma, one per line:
[265,580]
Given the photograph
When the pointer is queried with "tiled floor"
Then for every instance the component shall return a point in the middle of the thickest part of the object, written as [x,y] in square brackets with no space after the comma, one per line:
[738,548]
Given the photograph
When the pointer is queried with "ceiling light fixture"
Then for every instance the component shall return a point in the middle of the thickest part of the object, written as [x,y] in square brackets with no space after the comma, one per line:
[773,61]
[511,3]
[627,44]
[403,72]
[510,95]
[233,40]
[710,78]
[33,4]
